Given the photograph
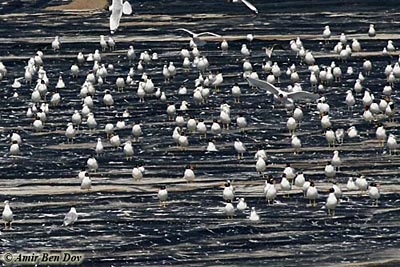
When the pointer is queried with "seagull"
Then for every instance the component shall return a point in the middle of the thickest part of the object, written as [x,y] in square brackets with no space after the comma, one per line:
[282,95]
[56,44]
[371,31]
[261,165]
[299,180]
[242,205]
[326,34]
[254,217]
[285,185]
[211,147]
[86,183]
[196,36]
[224,45]
[269,50]
[228,193]
[270,192]
[189,175]
[137,174]
[136,131]
[351,186]
[70,217]
[229,209]
[247,3]
[240,149]
[162,196]
[331,202]
[312,194]
[118,8]
[374,194]
[7,215]
[128,150]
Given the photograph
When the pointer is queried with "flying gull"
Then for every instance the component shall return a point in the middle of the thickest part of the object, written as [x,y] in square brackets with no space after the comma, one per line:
[196,36]
[117,9]
[248,5]
[282,95]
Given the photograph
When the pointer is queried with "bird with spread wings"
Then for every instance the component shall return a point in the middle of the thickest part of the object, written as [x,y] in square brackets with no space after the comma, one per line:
[282,95]
[248,5]
[196,36]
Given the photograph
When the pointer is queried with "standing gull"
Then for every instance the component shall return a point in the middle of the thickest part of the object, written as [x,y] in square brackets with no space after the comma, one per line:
[254,217]
[326,34]
[240,148]
[86,183]
[374,193]
[270,191]
[229,209]
[7,214]
[331,202]
[56,44]
[312,194]
[137,174]
[228,193]
[242,205]
[162,196]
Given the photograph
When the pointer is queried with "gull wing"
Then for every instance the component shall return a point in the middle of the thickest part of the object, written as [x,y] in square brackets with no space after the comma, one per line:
[70,218]
[127,8]
[264,85]
[189,32]
[116,4]
[301,95]
[209,33]
[115,17]
[250,6]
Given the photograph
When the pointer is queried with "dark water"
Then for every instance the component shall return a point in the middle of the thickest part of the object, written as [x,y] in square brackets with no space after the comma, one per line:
[120,222]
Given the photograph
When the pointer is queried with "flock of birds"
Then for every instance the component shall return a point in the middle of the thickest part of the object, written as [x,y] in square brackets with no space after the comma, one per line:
[205,86]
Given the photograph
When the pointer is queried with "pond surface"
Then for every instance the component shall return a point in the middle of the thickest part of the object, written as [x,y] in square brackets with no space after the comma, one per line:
[120,221]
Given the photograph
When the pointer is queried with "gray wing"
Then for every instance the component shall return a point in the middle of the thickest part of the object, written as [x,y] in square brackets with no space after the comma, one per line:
[301,95]
[250,6]
[263,85]
[70,218]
